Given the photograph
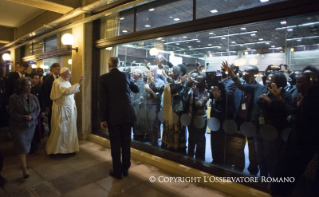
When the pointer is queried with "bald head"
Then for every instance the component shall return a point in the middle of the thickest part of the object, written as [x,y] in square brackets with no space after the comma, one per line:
[249,74]
[113,62]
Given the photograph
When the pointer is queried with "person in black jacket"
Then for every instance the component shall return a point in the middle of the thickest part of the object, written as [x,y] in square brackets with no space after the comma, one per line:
[3,99]
[39,129]
[269,110]
[302,144]
[14,76]
[117,114]
[47,86]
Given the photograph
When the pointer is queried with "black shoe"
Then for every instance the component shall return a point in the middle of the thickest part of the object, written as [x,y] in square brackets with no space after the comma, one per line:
[125,172]
[26,176]
[114,175]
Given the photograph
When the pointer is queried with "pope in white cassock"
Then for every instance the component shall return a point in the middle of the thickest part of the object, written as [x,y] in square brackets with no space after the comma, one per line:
[63,137]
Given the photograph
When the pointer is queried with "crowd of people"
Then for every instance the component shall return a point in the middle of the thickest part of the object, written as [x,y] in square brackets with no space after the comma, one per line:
[24,101]
[167,94]
[270,106]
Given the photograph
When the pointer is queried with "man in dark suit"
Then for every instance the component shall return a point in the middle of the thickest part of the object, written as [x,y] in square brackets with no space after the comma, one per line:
[117,114]
[47,86]
[14,76]
[39,129]
[3,99]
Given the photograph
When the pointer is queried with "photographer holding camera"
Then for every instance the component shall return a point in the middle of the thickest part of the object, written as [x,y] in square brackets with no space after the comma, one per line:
[272,106]
[197,97]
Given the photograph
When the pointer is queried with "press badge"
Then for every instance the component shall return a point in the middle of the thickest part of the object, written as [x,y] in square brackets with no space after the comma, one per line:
[261,120]
[243,106]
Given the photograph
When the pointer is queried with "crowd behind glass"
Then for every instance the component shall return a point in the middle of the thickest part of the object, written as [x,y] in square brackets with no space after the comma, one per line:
[172,113]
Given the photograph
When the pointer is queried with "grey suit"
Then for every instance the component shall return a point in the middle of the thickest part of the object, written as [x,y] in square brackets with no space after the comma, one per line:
[21,130]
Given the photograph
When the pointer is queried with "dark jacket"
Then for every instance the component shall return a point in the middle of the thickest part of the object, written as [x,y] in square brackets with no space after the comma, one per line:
[18,108]
[3,101]
[276,113]
[12,82]
[114,98]
[38,92]
[47,86]
[224,108]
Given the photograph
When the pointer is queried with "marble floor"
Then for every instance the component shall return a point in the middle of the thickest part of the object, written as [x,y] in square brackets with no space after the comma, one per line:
[86,174]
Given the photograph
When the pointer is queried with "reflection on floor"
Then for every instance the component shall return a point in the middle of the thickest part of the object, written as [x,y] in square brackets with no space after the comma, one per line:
[236,144]
[86,174]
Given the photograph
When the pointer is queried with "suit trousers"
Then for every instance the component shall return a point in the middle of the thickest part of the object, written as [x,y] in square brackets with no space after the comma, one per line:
[120,137]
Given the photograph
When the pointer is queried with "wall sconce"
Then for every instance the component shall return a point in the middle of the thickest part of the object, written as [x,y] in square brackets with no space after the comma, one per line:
[6,57]
[70,61]
[68,40]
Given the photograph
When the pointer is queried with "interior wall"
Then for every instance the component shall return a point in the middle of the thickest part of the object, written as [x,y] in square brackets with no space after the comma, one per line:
[37,22]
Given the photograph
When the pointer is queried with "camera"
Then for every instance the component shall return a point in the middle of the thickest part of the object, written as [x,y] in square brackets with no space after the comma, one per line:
[213,78]
[273,67]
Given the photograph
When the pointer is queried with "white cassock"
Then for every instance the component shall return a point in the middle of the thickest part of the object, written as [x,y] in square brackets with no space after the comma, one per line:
[63,137]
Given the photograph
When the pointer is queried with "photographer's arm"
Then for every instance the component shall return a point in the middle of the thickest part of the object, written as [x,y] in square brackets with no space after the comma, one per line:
[243,87]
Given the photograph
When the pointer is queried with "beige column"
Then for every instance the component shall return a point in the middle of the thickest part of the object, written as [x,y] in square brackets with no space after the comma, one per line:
[81,65]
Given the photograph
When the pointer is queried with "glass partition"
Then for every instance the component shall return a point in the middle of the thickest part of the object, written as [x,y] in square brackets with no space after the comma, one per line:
[50,43]
[162,13]
[190,105]
[206,8]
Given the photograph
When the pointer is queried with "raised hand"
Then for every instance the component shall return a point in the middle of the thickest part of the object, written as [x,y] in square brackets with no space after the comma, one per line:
[216,93]
[225,66]
[81,79]
[275,91]
[266,98]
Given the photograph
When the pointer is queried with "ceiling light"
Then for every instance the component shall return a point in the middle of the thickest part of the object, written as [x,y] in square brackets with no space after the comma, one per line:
[211,32]
[243,28]
[209,44]
[184,36]
[176,19]
[261,39]
[177,43]
[147,26]
[152,9]
[273,46]
[252,34]
[122,18]
[299,40]
[248,48]
[223,38]
[289,29]
[263,1]
[198,41]
[213,11]
[189,46]
[233,42]
[124,31]
[283,22]
[6,57]
[235,34]
[195,39]
[267,43]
